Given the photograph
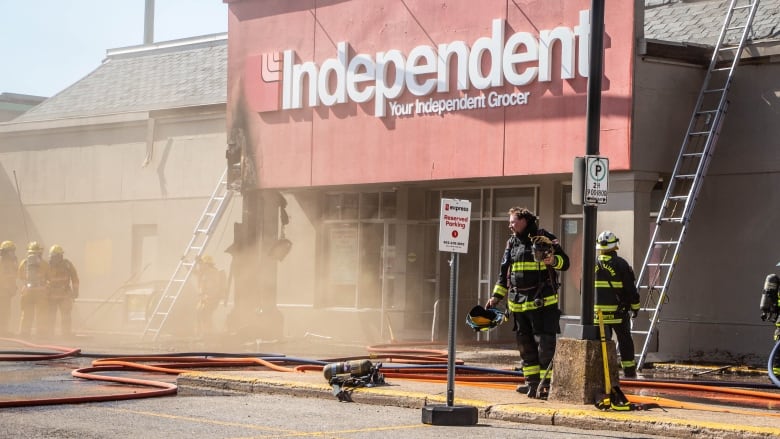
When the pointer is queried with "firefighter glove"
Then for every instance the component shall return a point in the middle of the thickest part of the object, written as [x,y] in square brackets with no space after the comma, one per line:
[634,313]
[777,333]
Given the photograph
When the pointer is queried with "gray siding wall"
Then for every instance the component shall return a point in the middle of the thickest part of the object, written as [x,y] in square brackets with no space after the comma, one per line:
[87,189]
[712,313]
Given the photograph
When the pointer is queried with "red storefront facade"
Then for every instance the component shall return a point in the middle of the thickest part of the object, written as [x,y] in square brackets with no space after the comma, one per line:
[361,92]
[365,113]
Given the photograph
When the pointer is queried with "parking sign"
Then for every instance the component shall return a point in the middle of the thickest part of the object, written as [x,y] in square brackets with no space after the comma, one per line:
[454,225]
[596,179]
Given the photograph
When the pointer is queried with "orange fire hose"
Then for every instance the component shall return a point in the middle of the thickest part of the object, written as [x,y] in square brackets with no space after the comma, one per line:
[174,365]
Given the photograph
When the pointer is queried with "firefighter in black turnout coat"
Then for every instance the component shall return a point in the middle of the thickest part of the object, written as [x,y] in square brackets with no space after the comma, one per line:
[528,278]
[616,297]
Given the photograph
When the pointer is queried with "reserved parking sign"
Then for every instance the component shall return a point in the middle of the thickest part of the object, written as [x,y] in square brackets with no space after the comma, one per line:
[454,225]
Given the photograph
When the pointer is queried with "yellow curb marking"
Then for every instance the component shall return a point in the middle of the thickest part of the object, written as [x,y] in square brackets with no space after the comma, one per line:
[519,408]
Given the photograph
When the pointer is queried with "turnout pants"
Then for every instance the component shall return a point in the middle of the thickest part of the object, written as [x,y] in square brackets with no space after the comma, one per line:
[34,303]
[536,340]
[625,344]
[204,313]
[63,304]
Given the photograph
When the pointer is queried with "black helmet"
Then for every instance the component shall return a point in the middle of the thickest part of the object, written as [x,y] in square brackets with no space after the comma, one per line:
[542,247]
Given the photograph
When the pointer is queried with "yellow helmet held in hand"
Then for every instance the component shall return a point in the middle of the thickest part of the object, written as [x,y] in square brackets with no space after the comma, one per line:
[56,250]
[34,247]
[481,319]
[8,245]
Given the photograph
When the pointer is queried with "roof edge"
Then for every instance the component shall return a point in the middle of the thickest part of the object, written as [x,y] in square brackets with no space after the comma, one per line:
[142,48]
[754,52]
[12,126]
[190,111]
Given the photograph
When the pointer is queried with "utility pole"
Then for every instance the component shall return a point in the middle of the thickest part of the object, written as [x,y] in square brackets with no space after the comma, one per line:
[586,330]
[592,139]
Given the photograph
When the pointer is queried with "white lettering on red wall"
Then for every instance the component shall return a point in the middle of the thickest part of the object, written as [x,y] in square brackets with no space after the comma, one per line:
[518,60]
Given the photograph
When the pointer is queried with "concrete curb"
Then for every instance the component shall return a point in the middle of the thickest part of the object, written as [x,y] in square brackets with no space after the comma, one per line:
[659,423]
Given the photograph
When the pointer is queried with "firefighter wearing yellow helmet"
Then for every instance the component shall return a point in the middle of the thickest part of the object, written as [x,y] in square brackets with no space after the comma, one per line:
[34,273]
[212,288]
[8,286]
[63,289]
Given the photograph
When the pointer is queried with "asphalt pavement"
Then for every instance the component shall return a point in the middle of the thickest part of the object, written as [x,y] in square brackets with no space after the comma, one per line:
[502,402]
[721,419]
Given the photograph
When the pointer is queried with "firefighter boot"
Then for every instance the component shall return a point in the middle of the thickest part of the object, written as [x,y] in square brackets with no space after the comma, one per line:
[629,372]
[544,389]
[530,388]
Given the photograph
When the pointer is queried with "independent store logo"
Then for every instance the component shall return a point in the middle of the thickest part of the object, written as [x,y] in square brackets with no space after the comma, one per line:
[275,82]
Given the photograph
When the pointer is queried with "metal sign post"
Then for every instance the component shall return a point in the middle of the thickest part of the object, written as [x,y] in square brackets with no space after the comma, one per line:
[453,237]
[452,329]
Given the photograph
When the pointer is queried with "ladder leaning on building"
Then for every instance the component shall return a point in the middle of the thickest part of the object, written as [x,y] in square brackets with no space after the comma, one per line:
[204,228]
[692,162]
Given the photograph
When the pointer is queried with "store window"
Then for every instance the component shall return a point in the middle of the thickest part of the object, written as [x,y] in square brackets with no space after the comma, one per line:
[343,206]
[497,228]
[571,240]
[507,198]
[374,259]
[358,248]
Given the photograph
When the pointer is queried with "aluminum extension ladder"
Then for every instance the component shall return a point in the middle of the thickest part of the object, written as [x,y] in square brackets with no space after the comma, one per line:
[203,229]
[691,167]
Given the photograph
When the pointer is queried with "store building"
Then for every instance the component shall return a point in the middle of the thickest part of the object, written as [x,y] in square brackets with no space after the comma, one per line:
[14,104]
[117,169]
[364,114]
[338,154]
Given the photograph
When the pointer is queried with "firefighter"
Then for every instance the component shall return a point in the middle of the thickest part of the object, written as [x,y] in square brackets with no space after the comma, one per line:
[8,288]
[528,277]
[34,273]
[63,289]
[770,310]
[212,285]
[616,297]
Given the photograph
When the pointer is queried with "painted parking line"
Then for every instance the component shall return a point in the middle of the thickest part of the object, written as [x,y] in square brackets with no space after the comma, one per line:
[273,432]
[205,421]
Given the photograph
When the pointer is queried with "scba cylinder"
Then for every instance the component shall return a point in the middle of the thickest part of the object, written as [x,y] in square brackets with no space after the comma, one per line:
[769,298]
[354,368]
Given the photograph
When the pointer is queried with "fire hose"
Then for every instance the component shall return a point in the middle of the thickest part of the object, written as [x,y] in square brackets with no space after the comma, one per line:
[431,366]
[770,366]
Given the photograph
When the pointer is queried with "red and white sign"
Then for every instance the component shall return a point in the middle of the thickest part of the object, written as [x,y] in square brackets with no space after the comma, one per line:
[516,59]
[381,91]
[454,225]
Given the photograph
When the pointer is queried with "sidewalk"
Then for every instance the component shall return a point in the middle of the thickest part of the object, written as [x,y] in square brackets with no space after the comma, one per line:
[504,404]
[492,401]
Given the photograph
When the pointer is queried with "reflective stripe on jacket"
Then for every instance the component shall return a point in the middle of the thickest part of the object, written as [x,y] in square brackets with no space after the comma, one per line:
[615,288]
[63,278]
[529,279]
